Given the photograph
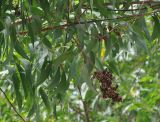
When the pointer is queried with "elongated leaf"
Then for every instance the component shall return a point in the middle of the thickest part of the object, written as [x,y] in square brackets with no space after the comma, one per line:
[45,71]
[23,80]
[98,64]
[37,11]
[16,84]
[156,29]
[37,110]
[113,67]
[47,42]
[18,47]
[31,33]
[55,110]
[141,28]
[63,85]
[55,80]
[45,99]
[45,5]
[1,26]
[28,81]
[62,58]
[20,50]
[139,41]
[31,111]
[90,61]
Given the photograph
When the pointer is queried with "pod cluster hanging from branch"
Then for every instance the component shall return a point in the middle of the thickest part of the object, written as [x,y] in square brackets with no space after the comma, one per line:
[107,89]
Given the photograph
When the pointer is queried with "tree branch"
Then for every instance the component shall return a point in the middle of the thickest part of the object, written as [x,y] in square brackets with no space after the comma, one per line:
[125,10]
[76,110]
[136,9]
[135,2]
[84,106]
[156,3]
[92,21]
[12,105]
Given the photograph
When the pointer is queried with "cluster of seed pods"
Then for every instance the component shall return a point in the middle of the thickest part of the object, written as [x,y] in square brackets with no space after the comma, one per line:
[107,89]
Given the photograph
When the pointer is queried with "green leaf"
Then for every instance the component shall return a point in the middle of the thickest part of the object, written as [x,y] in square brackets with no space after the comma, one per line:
[23,80]
[108,44]
[31,111]
[141,28]
[112,65]
[139,41]
[1,38]
[45,71]
[90,60]
[1,43]
[63,85]
[156,29]
[91,4]
[57,34]
[47,42]
[37,111]
[1,26]
[55,110]
[45,5]
[62,58]
[45,99]
[17,46]
[13,34]
[28,80]
[20,50]
[16,84]
[31,33]
[55,81]
[37,11]
[98,64]
[84,74]
[143,116]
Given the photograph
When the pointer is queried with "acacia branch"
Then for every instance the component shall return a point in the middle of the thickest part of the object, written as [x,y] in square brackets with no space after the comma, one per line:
[19,21]
[84,106]
[153,6]
[12,105]
[135,2]
[92,21]
[135,9]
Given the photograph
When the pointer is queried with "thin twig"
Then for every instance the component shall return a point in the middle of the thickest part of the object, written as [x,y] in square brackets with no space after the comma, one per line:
[12,105]
[85,9]
[125,10]
[84,106]
[135,2]
[91,21]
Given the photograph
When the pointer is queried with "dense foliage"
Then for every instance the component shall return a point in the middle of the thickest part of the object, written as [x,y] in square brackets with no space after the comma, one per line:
[50,50]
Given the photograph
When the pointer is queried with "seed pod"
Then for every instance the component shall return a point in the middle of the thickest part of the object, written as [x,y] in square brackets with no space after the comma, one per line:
[108,91]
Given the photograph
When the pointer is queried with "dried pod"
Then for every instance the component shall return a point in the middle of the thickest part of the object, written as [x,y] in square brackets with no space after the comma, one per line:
[108,91]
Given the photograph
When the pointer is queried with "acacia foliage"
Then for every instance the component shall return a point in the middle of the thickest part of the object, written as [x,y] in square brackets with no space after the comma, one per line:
[49,50]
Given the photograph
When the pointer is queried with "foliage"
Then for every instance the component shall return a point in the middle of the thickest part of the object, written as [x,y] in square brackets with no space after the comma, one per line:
[50,49]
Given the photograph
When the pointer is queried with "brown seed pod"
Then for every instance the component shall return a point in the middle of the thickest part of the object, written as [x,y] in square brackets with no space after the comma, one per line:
[108,91]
